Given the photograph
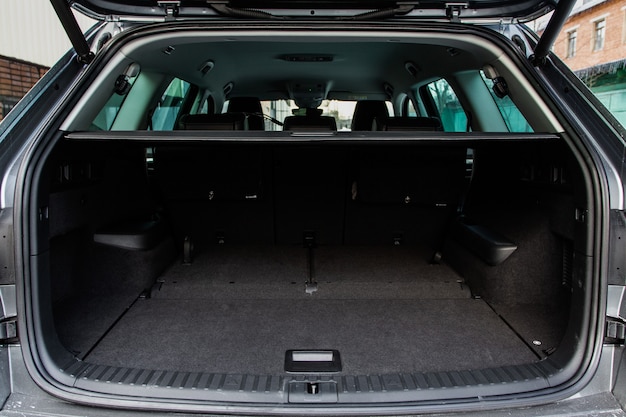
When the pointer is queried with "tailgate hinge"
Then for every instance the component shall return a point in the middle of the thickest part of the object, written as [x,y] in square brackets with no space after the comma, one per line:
[8,330]
[615,331]
[171,8]
[453,11]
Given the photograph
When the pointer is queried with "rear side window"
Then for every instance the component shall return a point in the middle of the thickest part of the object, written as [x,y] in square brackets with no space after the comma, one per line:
[166,112]
[447,105]
[408,109]
[615,100]
[514,119]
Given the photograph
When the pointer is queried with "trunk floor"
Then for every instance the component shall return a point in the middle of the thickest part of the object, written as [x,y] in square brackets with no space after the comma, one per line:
[237,309]
[262,272]
[373,336]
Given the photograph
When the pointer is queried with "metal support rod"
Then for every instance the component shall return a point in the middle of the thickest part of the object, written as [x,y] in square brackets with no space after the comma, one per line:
[73,31]
[311,265]
[551,32]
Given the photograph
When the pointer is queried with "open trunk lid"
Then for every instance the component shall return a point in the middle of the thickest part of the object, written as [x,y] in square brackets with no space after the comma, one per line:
[483,9]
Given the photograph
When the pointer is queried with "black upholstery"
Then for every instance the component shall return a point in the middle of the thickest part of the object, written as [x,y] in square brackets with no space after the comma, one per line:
[274,194]
[216,190]
[404,192]
[226,121]
[251,106]
[366,111]
[426,124]
[309,193]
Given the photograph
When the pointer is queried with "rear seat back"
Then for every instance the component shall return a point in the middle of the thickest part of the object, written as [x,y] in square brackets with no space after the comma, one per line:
[217,193]
[404,194]
[310,184]
[251,193]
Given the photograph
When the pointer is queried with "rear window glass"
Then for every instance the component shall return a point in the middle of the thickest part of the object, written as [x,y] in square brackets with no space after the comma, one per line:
[166,112]
[408,108]
[451,113]
[341,110]
[615,102]
[514,119]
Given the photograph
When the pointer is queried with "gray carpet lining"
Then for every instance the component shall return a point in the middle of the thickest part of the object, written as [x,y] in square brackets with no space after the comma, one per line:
[542,326]
[251,336]
[81,320]
[386,309]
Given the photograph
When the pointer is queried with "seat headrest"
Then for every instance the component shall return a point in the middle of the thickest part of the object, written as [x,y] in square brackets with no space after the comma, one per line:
[225,121]
[366,111]
[398,124]
[251,107]
[310,123]
[244,105]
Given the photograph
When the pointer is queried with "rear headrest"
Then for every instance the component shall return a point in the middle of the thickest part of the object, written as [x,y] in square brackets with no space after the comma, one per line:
[251,106]
[366,111]
[225,121]
[310,123]
[244,105]
[426,124]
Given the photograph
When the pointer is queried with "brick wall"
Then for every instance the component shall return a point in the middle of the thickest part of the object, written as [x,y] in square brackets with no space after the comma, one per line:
[16,78]
[614,13]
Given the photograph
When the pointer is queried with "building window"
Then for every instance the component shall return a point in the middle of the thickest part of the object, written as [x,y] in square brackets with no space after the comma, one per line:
[6,104]
[598,34]
[571,43]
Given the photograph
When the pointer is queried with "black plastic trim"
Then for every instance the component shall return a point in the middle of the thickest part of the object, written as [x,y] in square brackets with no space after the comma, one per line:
[292,364]
[352,389]
[489,245]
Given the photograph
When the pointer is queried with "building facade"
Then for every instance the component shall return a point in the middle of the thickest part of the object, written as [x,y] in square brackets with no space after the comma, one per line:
[32,39]
[595,33]
[593,44]
[30,31]
[16,78]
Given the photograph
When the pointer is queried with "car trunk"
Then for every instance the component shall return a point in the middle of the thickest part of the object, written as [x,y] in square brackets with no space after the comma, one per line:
[186,263]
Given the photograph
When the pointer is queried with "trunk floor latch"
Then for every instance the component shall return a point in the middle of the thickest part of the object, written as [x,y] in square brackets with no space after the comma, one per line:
[312,392]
